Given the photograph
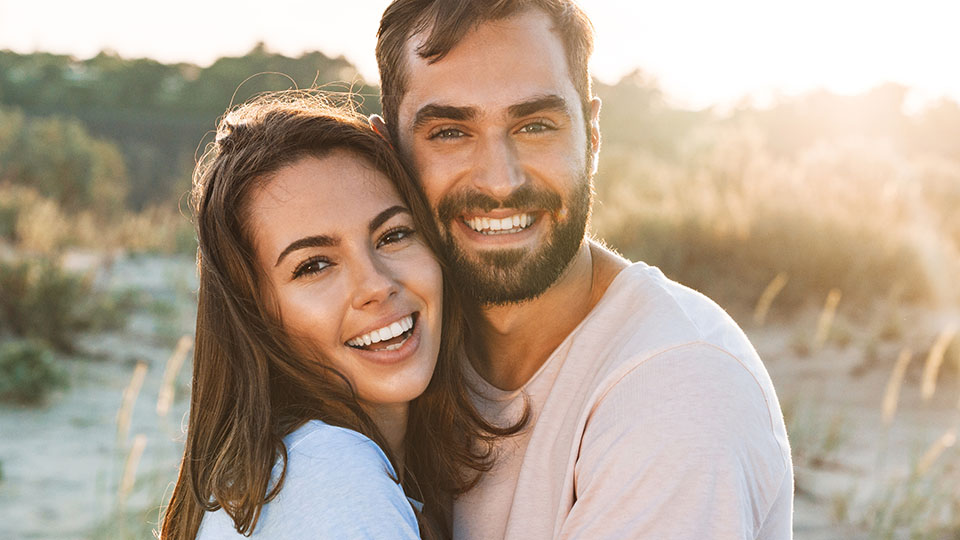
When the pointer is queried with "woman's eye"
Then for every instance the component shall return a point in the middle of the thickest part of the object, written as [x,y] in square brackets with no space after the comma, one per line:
[310,266]
[447,133]
[395,235]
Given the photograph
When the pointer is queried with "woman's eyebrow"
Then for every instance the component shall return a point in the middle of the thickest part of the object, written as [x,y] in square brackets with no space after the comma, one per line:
[382,217]
[323,240]
[320,240]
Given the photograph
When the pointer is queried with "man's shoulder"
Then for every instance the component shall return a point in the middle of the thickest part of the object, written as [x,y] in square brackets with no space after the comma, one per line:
[645,312]
[645,316]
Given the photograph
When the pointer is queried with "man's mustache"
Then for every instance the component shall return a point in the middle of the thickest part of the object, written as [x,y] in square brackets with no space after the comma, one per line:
[523,198]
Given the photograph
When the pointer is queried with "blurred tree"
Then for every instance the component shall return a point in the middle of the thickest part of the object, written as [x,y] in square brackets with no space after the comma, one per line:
[635,115]
[937,130]
[61,161]
[155,113]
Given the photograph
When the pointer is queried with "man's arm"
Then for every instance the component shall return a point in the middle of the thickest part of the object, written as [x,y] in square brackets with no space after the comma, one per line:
[682,446]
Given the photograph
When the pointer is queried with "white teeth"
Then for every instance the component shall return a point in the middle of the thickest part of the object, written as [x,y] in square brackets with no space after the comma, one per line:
[382,334]
[507,225]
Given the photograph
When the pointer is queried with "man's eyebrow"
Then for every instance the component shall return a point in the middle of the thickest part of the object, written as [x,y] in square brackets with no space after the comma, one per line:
[382,217]
[550,102]
[320,240]
[433,111]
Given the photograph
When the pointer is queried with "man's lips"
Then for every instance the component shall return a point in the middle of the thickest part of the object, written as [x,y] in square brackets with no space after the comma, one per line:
[501,222]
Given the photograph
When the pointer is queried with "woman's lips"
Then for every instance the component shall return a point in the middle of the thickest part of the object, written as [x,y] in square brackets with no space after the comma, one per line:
[390,355]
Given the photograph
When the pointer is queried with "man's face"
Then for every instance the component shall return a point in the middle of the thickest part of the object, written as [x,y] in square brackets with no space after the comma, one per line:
[497,134]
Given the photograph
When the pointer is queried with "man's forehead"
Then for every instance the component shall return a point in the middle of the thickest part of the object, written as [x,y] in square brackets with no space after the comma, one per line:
[498,63]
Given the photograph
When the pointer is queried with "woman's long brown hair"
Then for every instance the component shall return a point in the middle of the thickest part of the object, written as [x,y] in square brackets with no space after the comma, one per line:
[250,387]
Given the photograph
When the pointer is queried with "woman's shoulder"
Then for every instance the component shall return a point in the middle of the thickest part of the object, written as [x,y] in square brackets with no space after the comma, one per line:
[317,442]
[338,484]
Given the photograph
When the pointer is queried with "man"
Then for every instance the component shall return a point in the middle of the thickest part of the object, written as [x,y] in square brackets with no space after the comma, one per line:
[652,416]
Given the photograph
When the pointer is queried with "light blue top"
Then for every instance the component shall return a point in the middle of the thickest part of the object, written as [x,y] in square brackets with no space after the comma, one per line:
[339,484]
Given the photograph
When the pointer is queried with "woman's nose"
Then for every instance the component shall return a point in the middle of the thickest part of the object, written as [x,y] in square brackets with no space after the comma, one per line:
[373,282]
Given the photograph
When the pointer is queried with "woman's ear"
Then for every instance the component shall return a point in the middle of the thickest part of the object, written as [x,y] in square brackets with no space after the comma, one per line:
[380,126]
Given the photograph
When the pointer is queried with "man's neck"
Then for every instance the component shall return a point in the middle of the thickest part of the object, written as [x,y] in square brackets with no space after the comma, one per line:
[516,339]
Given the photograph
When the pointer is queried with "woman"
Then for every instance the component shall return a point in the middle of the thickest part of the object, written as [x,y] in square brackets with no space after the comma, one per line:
[322,390]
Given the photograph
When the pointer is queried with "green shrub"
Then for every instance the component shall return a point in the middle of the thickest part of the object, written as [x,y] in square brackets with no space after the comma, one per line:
[28,372]
[39,300]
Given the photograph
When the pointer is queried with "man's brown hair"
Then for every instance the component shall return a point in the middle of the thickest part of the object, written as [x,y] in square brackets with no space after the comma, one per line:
[448,21]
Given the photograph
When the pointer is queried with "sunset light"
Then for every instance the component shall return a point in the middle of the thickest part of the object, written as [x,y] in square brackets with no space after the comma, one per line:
[720,301]
[701,52]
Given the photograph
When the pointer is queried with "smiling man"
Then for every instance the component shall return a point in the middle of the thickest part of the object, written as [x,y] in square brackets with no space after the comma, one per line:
[652,415]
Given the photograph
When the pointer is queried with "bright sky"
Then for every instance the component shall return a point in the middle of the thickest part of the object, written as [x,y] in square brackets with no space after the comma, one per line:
[702,52]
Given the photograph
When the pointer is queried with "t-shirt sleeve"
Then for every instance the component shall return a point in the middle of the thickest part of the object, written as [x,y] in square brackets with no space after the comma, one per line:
[682,446]
[338,484]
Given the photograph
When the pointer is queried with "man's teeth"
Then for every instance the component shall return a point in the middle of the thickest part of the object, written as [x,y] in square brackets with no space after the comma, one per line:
[382,334]
[507,225]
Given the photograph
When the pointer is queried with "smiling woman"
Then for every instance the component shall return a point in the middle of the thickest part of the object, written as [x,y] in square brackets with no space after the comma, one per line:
[326,381]
[353,281]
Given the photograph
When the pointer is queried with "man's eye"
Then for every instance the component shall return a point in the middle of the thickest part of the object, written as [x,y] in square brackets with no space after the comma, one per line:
[395,235]
[313,265]
[447,133]
[535,127]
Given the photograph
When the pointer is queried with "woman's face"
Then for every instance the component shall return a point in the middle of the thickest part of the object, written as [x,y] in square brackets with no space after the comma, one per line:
[355,285]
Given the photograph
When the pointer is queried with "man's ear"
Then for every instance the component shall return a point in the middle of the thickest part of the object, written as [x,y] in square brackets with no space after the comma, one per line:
[594,122]
[380,126]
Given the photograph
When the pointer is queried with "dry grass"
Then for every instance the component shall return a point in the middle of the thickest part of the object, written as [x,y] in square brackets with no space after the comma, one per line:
[891,397]
[827,316]
[767,297]
[168,388]
[34,224]
[130,394]
[727,214]
[931,368]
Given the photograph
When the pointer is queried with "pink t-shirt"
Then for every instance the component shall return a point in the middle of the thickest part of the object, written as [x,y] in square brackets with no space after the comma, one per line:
[655,418]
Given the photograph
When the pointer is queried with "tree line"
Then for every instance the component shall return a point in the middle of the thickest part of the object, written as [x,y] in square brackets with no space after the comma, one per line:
[155,117]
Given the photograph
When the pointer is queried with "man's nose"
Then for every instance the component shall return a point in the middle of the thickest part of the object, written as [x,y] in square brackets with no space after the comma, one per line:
[497,170]
[373,281]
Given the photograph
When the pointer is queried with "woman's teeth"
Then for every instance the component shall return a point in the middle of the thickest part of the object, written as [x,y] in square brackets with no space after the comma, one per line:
[508,225]
[393,330]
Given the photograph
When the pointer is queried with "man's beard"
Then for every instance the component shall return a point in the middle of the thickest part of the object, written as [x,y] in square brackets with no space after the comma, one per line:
[508,276]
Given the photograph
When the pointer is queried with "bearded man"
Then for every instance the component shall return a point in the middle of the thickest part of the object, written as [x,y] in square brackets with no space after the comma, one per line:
[652,415]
